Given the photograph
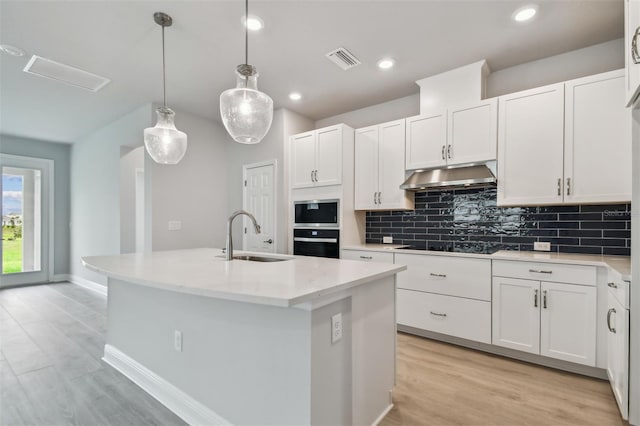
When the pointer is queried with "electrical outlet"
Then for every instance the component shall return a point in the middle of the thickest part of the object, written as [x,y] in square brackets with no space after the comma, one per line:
[387,240]
[177,340]
[541,246]
[174,225]
[336,327]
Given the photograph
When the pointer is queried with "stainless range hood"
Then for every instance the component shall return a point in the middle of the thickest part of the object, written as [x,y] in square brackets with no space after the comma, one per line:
[461,177]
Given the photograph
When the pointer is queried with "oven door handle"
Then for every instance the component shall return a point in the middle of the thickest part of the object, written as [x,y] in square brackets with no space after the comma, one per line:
[315,240]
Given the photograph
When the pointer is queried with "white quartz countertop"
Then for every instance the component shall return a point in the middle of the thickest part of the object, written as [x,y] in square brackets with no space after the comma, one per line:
[620,264]
[205,272]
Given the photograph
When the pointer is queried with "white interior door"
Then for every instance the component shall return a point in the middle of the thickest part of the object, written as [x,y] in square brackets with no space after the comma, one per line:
[259,200]
[26,215]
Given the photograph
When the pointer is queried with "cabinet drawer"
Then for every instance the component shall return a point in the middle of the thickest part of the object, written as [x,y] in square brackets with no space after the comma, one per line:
[618,288]
[541,271]
[452,276]
[367,256]
[454,316]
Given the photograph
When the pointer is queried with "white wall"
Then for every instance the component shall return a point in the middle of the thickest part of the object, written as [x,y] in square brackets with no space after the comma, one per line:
[130,160]
[578,63]
[193,191]
[95,188]
[591,60]
[273,146]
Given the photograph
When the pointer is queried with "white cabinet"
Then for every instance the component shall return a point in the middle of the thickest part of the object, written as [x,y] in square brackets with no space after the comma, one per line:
[632,50]
[565,143]
[597,143]
[530,146]
[617,335]
[516,314]
[367,256]
[379,168]
[556,320]
[462,134]
[445,294]
[316,157]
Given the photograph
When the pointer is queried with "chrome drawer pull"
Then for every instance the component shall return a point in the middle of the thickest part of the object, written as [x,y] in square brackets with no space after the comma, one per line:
[634,47]
[366,257]
[611,311]
[438,275]
[437,314]
[540,271]
[612,285]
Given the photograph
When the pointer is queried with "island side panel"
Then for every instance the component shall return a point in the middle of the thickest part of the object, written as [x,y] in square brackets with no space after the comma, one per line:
[331,366]
[373,308]
[248,363]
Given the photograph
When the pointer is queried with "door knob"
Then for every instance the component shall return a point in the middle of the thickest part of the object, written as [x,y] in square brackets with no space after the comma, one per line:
[269,241]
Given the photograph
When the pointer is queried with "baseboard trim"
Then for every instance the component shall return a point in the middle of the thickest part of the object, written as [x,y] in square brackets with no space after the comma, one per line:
[184,406]
[382,415]
[88,284]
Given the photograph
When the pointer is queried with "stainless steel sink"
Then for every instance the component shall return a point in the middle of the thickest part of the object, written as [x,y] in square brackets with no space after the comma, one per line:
[258,258]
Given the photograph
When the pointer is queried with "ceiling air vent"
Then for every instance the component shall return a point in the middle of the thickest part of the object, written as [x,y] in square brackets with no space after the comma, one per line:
[44,67]
[343,58]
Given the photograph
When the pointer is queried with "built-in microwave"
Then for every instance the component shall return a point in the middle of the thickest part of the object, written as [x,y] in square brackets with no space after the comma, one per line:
[316,213]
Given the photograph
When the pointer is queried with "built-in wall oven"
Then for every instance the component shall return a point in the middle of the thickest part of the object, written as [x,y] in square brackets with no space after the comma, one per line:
[316,229]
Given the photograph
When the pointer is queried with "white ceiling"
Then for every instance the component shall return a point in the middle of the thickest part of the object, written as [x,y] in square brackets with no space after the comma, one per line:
[119,40]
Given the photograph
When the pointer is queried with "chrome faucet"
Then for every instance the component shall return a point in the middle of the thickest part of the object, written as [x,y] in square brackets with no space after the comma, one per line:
[229,245]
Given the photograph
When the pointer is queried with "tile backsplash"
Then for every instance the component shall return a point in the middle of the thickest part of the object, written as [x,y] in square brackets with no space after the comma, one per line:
[469,220]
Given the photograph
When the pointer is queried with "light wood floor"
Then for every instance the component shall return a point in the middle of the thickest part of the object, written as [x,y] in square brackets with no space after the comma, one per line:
[52,338]
[443,384]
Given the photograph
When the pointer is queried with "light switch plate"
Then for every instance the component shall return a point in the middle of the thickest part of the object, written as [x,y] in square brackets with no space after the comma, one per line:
[174,225]
[542,246]
[387,240]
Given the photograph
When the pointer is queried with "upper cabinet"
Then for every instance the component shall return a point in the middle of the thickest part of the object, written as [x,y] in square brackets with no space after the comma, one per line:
[379,168]
[597,143]
[316,157]
[565,143]
[632,50]
[464,134]
[530,138]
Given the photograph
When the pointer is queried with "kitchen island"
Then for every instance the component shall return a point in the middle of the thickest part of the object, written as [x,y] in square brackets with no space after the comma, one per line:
[246,342]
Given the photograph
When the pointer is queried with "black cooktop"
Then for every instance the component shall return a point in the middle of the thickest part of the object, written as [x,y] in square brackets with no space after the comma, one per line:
[453,249]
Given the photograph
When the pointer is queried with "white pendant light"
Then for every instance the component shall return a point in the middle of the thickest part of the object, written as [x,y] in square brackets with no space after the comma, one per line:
[246,112]
[165,144]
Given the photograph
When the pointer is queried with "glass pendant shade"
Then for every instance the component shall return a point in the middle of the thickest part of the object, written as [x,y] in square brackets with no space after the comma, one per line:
[164,143]
[246,112]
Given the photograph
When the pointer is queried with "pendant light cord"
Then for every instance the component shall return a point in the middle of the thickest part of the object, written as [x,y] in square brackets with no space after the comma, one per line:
[164,77]
[246,32]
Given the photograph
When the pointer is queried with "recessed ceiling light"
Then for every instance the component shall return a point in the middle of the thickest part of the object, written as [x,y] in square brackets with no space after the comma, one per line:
[254,23]
[295,96]
[11,50]
[525,13]
[386,63]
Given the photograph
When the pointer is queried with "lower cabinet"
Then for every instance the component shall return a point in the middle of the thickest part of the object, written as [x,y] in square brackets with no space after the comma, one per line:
[556,320]
[455,316]
[618,351]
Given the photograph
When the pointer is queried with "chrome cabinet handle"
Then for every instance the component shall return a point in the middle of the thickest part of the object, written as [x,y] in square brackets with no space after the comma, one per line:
[269,241]
[544,299]
[612,285]
[443,148]
[316,175]
[535,298]
[375,200]
[379,197]
[611,311]
[634,47]
[312,176]
[438,275]
[559,186]
[540,271]
[437,314]
[449,151]
[568,186]
[366,257]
